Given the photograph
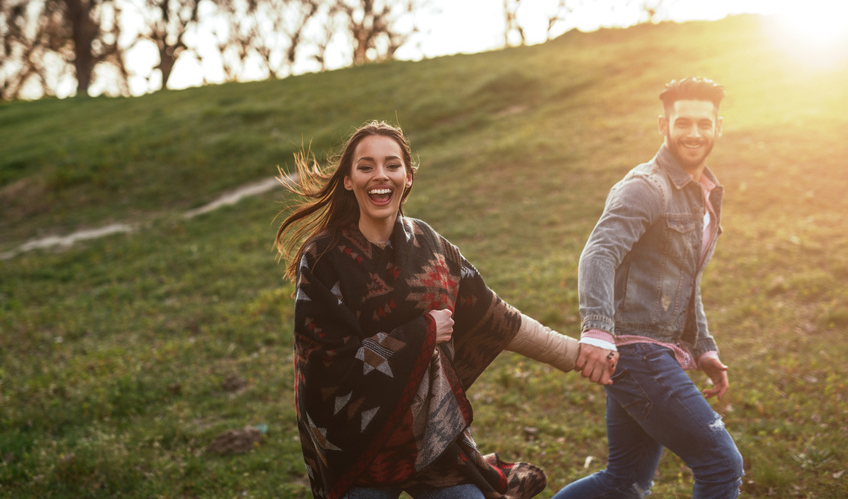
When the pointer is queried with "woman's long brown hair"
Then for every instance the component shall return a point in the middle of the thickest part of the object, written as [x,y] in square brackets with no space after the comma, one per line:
[326,203]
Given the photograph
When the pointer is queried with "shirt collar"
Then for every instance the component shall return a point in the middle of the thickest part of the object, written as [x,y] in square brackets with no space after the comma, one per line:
[678,175]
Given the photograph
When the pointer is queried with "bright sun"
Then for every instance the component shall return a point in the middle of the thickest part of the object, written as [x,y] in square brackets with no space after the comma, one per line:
[816,31]
[819,22]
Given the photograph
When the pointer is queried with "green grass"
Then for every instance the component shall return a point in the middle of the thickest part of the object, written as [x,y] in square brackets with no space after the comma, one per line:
[113,354]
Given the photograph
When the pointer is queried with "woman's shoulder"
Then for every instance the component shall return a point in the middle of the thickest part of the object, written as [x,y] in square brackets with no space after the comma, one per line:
[320,239]
[414,223]
[318,244]
[428,236]
[416,228]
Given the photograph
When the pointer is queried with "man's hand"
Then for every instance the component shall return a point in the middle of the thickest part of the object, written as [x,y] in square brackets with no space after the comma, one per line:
[596,363]
[717,372]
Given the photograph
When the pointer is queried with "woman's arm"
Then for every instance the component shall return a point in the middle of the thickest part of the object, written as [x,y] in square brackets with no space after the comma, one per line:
[540,343]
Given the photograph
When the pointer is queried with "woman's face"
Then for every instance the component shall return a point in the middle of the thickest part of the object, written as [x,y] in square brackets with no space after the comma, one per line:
[378,178]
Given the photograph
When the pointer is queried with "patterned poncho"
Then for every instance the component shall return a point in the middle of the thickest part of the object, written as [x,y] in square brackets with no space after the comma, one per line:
[378,402]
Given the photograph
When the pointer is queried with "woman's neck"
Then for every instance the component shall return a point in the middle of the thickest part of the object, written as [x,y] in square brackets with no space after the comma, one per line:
[378,234]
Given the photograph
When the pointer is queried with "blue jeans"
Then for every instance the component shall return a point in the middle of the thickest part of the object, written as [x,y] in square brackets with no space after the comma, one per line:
[466,491]
[652,404]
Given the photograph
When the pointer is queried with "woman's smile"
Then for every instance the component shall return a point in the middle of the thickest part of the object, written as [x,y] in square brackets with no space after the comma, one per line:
[378,179]
[381,195]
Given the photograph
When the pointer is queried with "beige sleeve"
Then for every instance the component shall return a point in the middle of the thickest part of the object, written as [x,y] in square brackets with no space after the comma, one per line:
[543,344]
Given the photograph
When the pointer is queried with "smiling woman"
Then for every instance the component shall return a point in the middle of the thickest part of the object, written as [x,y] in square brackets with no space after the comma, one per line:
[391,326]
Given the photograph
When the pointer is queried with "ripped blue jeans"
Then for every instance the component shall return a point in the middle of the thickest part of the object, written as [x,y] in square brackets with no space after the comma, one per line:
[651,405]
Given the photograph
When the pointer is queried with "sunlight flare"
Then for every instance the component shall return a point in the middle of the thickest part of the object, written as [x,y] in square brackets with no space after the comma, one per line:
[821,23]
[816,33]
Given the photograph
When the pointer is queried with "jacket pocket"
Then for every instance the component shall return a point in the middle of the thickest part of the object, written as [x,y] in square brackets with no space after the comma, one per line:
[682,235]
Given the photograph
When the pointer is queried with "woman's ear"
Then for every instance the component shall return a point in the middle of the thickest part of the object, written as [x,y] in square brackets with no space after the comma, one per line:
[347,183]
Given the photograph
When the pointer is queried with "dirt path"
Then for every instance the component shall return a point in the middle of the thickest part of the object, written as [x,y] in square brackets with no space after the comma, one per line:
[226,199]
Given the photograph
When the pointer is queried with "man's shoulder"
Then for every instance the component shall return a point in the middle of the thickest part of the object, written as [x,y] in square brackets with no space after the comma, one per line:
[646,184]
[648,175]
[650,168]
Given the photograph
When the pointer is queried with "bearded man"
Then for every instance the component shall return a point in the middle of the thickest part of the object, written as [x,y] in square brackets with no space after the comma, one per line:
[644,324]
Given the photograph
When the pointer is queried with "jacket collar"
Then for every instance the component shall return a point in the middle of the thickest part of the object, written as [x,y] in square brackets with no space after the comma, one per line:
[679,177]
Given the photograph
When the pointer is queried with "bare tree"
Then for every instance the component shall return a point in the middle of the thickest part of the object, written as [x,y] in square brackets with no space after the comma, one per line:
[653,9]
[306,10]
[83,32]
[94,32]
[278,47]
[511,25]
[83,40]
[377,28]
[24,39]
[47,39]
[166,23]
[321,42]
[233,35]
[561,13]
[269,31]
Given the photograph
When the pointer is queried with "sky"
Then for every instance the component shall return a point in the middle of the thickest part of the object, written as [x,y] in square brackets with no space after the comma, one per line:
[483,24]
[470,26]
[482,20]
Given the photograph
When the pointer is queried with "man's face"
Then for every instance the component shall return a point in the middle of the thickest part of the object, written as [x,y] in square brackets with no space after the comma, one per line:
[691,128]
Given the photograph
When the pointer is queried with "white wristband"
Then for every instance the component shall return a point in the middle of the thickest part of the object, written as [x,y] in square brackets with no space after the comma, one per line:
[606,345]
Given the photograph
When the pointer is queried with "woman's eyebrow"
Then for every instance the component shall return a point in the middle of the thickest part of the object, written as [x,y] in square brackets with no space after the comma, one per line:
[369,158]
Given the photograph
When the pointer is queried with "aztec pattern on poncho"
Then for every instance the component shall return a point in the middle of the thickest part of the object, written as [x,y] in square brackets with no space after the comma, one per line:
[378,402]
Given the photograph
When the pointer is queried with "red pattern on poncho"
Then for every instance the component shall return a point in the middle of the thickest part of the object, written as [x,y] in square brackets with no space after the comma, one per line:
[378,403]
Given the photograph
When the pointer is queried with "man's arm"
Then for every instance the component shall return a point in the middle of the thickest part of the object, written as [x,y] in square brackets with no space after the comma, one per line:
[632,206]
[704,348]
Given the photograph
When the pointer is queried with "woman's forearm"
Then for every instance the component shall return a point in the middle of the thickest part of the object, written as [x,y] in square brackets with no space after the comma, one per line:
[543,344]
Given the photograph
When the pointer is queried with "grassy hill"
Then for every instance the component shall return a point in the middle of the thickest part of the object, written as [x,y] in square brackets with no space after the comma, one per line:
[123,357]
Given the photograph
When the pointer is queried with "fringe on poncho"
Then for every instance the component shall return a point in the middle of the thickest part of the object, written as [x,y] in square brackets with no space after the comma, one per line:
[378,402]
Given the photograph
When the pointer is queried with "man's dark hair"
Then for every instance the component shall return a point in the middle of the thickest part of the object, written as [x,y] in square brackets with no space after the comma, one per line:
[692,88]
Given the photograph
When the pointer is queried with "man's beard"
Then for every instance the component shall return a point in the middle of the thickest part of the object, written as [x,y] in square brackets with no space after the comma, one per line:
[676,147]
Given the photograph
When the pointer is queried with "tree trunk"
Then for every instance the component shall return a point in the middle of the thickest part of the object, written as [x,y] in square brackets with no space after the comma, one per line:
[83,31]
[164,30]
[166,63]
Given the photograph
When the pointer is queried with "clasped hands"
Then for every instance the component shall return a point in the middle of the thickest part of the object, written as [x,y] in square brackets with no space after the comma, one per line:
[596,363]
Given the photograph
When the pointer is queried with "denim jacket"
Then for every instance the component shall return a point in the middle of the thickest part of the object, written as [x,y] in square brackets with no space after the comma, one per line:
[640,272]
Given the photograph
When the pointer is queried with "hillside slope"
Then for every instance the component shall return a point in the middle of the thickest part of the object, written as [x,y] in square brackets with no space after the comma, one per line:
[123,357]
[579,101]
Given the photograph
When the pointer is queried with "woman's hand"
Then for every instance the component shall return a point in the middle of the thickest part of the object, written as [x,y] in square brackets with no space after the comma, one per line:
[444,324]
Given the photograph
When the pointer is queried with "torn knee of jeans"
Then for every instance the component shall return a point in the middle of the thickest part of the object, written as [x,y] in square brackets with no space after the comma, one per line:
[642,493]
[717,424]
